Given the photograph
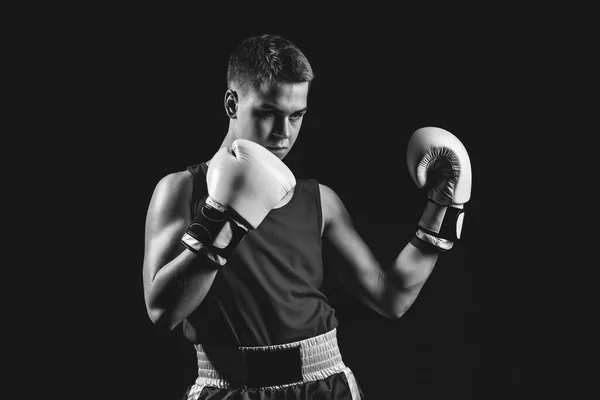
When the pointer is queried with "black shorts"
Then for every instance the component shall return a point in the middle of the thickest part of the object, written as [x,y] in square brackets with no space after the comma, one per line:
[307,369]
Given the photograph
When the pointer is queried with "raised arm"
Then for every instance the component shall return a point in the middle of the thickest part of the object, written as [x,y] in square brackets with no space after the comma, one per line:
[183,254]
[438,163]
[389,290]
[175,279]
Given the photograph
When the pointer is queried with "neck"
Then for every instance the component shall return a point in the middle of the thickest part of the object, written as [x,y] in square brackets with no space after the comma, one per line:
[229,137]
[227,140]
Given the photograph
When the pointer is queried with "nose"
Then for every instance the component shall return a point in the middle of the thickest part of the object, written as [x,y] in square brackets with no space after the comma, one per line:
[282,128]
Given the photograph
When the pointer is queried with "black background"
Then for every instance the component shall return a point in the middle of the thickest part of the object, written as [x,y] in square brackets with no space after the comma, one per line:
[107,105]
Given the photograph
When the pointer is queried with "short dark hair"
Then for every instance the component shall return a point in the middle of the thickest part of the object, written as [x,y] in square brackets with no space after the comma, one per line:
[267,58]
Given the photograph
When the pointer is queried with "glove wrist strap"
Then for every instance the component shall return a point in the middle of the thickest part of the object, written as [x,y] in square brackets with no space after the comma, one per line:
[439,227]
[442,221]
[215,232]
[430,243]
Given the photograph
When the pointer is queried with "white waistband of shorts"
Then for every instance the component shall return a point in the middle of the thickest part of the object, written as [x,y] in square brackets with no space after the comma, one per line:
[320,357]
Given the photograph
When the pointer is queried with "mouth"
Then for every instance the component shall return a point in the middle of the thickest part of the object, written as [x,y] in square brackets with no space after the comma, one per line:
[276,148]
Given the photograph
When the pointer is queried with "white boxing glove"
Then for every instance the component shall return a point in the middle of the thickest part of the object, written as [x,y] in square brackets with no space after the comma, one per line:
[439,163]
[245,182]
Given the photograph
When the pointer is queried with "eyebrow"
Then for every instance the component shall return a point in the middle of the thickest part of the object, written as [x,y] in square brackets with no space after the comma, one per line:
[275,108]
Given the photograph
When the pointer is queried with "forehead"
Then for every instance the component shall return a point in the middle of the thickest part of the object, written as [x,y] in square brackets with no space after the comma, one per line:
[281,95]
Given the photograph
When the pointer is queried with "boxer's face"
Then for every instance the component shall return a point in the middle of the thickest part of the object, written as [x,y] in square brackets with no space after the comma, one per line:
[271,115]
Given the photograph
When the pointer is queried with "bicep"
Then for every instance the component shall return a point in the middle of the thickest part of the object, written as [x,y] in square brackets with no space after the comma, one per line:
[166,220]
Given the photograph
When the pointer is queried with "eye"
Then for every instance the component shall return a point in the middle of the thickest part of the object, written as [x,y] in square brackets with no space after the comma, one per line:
[266,114]
[297,116]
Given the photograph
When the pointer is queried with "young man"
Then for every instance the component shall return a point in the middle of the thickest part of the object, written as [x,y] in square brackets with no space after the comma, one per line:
[233,245]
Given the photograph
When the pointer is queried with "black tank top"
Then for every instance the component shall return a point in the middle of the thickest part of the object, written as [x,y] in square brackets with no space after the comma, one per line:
[269,291]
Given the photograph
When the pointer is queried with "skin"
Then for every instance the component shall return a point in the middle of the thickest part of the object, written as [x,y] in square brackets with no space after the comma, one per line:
[176,280]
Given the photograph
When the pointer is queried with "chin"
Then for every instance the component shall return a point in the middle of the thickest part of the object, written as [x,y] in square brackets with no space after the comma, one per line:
[279,154]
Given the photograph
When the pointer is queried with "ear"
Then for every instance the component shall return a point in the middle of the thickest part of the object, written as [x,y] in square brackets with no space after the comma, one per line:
[231,103]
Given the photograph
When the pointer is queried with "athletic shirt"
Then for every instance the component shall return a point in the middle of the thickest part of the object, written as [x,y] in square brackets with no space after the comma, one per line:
[269,291]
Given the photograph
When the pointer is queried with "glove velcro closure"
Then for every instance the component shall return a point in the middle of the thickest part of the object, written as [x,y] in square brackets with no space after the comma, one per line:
[215,232]
[430,243]
[440,226]
[442,221]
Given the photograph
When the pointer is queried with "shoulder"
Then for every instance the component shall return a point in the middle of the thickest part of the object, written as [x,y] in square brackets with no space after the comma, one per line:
[172,191]
[331,204]
[327,193]
[175,182]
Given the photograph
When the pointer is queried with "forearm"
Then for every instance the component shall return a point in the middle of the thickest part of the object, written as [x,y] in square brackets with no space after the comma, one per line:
[405,279]
[412,267]
[178,288]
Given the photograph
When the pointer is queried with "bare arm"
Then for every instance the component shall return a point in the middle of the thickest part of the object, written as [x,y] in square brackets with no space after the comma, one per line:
[175,279]
[389,291]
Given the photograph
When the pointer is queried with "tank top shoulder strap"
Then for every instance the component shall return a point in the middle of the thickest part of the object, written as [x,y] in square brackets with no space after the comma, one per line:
[311,187]
[305,203]
[198,169]
[199,189]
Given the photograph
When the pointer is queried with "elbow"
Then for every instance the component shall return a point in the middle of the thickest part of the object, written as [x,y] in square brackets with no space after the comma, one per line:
[156,314]
[162,320]
[401,301]
[162,316]
[395,314]
[390,312]
[397,309]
